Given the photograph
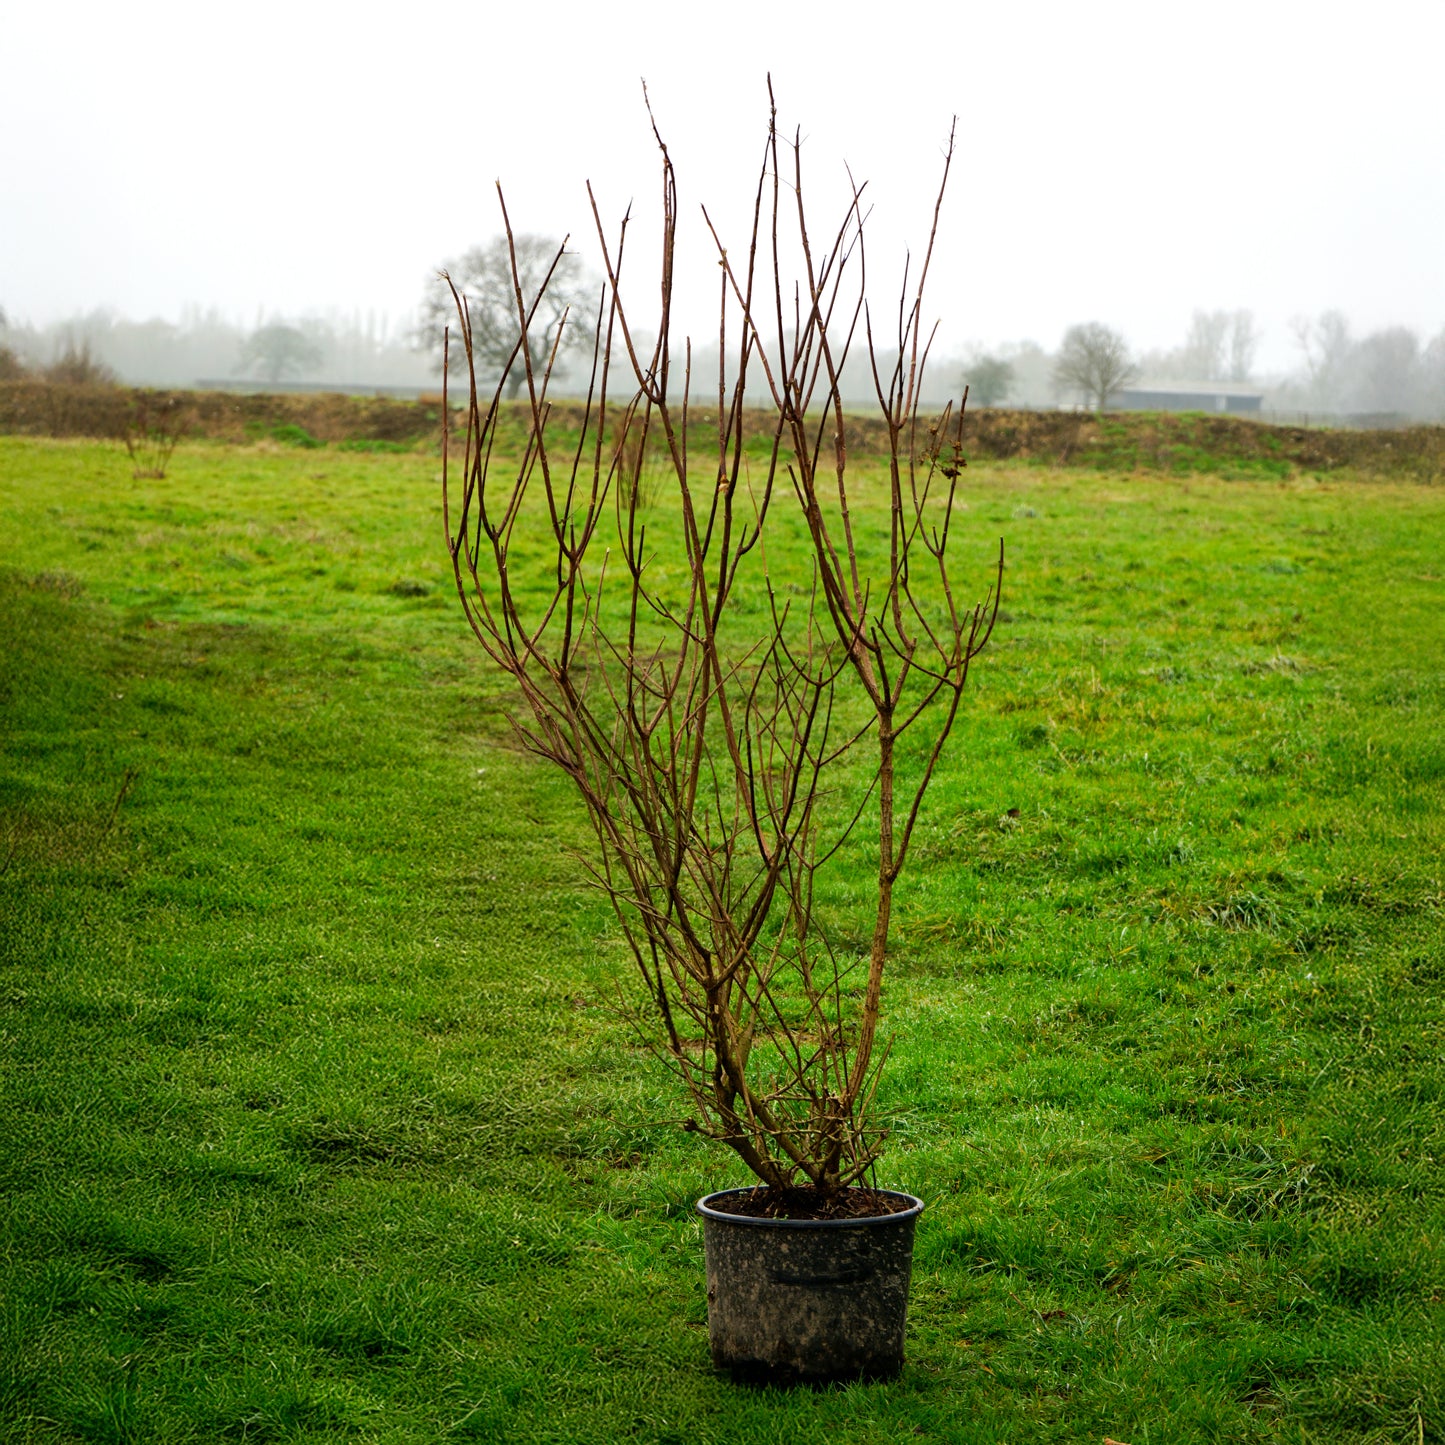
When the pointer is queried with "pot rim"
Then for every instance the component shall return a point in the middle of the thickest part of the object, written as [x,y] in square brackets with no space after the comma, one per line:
[707,1206]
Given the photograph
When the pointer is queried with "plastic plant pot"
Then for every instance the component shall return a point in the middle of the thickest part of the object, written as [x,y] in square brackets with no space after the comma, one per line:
[806,1301]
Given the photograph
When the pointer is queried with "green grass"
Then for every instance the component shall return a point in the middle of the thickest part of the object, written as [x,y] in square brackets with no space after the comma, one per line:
[316,1122]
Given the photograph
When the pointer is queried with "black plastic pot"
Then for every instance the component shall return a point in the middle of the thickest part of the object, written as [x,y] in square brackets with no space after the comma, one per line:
[803,1301]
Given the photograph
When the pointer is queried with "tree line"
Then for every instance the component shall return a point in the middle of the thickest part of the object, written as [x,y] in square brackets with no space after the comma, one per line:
[1391,372]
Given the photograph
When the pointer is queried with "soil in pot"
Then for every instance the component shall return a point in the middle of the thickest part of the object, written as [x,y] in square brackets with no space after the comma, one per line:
[797,1300]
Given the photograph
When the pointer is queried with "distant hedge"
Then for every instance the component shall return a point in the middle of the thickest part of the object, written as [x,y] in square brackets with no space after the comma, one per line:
[1194,442]
[1178,443]
[40,408]
[1181,443]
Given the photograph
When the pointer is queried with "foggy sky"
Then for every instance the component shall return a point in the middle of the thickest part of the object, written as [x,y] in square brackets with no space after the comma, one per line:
[1126,163]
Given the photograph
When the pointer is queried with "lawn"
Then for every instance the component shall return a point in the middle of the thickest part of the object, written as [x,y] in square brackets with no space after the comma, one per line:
[318,1122]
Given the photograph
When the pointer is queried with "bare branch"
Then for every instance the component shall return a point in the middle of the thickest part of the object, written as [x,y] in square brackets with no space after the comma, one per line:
[710,696]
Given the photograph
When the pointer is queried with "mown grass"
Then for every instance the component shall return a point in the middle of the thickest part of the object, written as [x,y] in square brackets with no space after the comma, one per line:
[317,1123]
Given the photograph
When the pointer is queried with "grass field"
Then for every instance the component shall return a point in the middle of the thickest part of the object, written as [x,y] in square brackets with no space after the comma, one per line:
[316,1122]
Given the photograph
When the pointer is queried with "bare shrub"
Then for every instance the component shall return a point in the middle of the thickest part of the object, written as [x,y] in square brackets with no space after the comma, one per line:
[749,680]
[154,428]
[77,366]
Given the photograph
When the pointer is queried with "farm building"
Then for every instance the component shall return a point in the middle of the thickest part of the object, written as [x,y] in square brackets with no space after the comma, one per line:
[1229,396]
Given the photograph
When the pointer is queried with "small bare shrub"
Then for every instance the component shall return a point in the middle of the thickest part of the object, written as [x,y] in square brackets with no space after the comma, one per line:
[77,366]
[154,428]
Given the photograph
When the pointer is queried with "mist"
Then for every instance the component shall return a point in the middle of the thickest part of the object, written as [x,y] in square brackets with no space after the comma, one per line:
[362,351]
[1339,374]
[311,165]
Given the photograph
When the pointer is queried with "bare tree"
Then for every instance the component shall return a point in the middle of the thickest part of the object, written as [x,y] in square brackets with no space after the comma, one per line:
[552,283]
[731,716]
[1387,373]
[1220,346]
[1384,373]
[989,379]
[12,368]
[78,365]
[278,352]
[1432,377]
[1094,360]
[1243,344]
[1326,344]
[1205,347]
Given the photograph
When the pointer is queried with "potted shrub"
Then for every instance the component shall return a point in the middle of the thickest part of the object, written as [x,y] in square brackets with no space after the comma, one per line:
[747,659]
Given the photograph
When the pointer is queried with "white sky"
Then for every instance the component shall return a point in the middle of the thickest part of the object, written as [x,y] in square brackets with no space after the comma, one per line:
[1120,162]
